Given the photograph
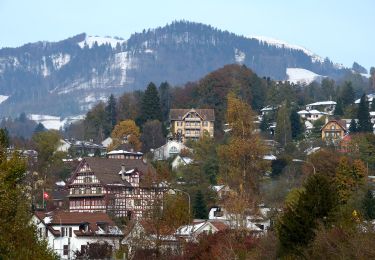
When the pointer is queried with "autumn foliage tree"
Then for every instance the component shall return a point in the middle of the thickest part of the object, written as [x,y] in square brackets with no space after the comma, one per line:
[126,131]
[241,162]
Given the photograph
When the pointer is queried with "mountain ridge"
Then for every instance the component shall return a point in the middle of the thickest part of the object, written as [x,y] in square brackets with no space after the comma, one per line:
[67,77]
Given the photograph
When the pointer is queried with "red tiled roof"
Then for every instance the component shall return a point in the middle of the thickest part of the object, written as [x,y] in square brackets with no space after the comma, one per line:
[219,225]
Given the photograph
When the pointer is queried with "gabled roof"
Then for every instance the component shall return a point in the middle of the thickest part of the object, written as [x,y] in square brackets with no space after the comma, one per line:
[322,103]
[205,114]
[107,170]
[57,218]
[341,123]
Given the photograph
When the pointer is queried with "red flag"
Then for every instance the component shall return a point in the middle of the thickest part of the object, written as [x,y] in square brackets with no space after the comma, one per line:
[45,195]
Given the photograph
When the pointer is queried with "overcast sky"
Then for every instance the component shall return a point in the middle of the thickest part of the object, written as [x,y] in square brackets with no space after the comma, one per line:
[342,30]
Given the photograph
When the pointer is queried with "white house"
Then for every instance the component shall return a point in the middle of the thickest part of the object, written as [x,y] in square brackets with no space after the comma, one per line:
[370,98]
[67,232]
[192,231]
[257,222]
[64,146]
[107,142]
[326,106]
[170,149]
[179,161]
[311,115]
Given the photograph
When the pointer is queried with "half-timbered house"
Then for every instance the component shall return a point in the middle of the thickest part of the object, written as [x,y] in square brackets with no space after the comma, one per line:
[123,187]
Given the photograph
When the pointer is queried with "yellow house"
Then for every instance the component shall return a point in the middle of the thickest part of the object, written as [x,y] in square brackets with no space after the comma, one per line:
[190,124]
[334,130]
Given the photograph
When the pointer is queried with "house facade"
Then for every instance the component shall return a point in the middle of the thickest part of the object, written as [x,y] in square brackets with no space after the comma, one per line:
[170,149]
[191,124]
[122,187]
[67,232]
[334,130]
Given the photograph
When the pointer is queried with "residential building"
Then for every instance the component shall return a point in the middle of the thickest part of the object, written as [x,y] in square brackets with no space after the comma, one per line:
[122,187]
[334,130]
[190,124]
[107,142]
[144,235]
[370,98]
[192,231]
[124,154]
[170,149]
[311,115]
[67,232]
[81,148]
[268,110]
[179,161]
[326,106]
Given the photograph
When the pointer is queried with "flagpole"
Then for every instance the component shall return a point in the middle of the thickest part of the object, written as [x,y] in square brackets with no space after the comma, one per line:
[43,198]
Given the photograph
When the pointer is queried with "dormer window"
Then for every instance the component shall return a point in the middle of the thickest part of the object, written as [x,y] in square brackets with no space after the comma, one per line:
[103,226]
[84,227]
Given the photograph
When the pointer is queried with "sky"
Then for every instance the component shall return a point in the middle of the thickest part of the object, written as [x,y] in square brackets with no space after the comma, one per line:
[339,29]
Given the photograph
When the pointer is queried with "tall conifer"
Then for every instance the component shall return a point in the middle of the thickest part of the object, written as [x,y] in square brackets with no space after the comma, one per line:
[364,121]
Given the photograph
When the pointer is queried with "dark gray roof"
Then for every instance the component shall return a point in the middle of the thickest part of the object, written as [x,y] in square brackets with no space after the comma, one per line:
[107,170]
[178,114]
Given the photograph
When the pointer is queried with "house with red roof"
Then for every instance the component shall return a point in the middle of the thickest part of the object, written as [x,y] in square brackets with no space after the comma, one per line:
[68,232]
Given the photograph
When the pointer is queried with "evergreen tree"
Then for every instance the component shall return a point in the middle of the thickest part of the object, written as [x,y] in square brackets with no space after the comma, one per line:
[200,207]
[150,107]
[4,138]
[347,94]
[283,133]
[165,100]
[39,128]
[296,125]
[372,108]
[296,227]
[364,121]
[368,205]
[338,108]
[111,114]
[264,124]
[353,126]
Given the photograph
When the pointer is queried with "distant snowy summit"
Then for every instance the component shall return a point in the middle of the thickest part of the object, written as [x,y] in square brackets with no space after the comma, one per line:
[283,44]
[91,40]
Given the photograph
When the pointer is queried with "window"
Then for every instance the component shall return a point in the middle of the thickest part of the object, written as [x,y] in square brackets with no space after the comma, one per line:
[76,191]
[66,250]
[98,190]
[205,123]
[70,232]
[173,150]
[137,202]
[87,179]
[64,232]
[88,191]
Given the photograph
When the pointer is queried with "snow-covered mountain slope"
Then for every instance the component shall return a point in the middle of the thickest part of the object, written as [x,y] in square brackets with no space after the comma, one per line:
[3,98]
[64,78]
[90,41]
[54,122]
[283,44]
[302,76]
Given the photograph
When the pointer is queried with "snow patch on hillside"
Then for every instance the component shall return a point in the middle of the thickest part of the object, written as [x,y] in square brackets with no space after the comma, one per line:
[54,122]
[123,61]
[282,44]
[239,56]
[3,98]
[60,60]
[90,41]
[302,76]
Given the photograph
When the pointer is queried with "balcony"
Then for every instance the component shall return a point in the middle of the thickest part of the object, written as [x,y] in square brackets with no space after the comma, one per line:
[85,195]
